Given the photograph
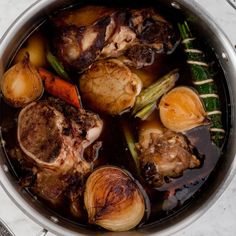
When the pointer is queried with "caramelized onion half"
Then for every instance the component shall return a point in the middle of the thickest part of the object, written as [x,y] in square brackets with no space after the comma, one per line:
[21,84]
[113,199]
[181,109]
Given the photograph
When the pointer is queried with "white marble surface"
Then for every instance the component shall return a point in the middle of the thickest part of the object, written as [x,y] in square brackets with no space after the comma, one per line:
[219,219]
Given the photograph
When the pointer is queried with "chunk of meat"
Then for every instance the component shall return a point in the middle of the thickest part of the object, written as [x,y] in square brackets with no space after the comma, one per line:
[119,35]
[54,141]
[79,47]
[54,187]
[139,55]
[50,186]
[153,30]
[137,35]
[164,154]
[54,135]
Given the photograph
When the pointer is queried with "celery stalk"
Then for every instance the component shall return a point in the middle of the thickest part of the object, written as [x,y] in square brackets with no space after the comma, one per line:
[131,144]
[152,93]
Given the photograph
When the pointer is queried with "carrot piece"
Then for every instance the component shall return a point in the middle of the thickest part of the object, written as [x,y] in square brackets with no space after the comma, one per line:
[60,88]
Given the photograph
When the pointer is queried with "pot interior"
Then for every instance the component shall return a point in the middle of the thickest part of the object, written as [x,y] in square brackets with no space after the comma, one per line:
[216,44]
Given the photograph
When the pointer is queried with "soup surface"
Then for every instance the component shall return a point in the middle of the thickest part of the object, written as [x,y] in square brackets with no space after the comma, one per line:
[110,107]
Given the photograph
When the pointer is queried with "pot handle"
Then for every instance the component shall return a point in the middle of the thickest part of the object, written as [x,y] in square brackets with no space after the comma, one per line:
[4,230]
[43,232]
[232,3]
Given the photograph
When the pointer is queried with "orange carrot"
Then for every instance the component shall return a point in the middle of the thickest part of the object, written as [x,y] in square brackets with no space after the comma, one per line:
[60,88]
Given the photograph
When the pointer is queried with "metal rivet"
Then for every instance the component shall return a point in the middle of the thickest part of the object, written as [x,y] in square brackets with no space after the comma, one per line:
[5,168]
[54,219]
[224,56]
[175,5]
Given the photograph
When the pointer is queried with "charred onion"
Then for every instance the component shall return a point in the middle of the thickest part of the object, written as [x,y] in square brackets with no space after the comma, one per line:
[113,199]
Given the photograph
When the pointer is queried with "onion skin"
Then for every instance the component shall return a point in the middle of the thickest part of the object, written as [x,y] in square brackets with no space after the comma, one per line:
[181,109]
[21,84]
[113,200]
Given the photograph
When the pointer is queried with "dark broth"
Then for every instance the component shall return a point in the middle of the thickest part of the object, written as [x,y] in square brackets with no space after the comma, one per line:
[177,193]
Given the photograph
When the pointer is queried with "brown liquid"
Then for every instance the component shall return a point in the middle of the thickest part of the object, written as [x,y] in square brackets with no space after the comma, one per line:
[171,197]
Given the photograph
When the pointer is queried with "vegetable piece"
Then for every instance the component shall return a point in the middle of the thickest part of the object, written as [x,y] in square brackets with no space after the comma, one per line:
[146,111]
[152,93]
[131,143]
[57,66]
[109,86]
[113,199]
[60,88]
[21,84]
[36,48]
[181,109]
[203,82]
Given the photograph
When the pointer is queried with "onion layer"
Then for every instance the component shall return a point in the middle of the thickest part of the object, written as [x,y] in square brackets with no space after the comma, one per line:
[181,109]
[113,199]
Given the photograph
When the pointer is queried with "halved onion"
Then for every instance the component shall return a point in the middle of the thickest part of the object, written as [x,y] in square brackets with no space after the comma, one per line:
[21,84]
[181,109]
[113,199]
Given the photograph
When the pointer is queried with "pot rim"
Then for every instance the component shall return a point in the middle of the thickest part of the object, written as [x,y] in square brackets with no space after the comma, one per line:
[50,223]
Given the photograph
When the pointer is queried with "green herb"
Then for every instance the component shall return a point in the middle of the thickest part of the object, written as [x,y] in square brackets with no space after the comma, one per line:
[203,82]
[149,96]
[57,66]
[146,111]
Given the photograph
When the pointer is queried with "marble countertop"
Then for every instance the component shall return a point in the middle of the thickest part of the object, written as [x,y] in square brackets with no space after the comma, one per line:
[218,220]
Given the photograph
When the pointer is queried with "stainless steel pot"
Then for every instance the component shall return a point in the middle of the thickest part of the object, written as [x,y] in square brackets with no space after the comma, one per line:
[226,55]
